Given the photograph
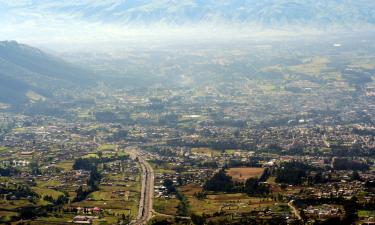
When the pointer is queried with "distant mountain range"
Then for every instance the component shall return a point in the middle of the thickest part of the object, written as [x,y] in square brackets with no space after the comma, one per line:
[270,13]
[28,74]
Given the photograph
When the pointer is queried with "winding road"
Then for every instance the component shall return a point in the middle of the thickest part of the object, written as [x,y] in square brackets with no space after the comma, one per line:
[294,210]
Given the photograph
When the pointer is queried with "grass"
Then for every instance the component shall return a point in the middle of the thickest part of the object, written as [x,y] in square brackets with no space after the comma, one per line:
[52,220]
[13,205]
[268,87]
[45,191]
[107,147]
[112,204]
[231,151]
[6,216]
[66,165]
[91,155]
[3,149]
[166,206]
[52,183]
[366,213]
[312,67]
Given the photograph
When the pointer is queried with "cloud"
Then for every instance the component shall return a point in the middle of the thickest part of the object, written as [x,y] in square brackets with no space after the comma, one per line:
[51,22]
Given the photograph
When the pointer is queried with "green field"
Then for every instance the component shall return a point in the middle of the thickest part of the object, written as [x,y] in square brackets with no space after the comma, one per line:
[366,213]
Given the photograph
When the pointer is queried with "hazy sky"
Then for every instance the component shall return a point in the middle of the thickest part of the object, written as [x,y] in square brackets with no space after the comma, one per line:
[66,22]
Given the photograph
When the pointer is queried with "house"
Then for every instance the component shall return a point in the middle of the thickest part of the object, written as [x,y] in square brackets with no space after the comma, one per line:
[83,219]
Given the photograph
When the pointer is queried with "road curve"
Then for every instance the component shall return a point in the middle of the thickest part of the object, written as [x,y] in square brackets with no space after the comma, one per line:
[147,192]
[294,210]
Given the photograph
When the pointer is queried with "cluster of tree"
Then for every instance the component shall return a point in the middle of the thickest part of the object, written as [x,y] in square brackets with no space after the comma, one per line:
[94,178]
[34,167]
[21,191]
[198,219]
[219,182]
[169,119]
[183,207]
[8,171]
[350,151]
[348,164]
[168,183]
[106,117]
[200,195]
[292,172]
[118,135]
[85,163]
[318,178]
[209,164]
[61,200]
[253,162]
[81,194]
[255,188]
[31,212]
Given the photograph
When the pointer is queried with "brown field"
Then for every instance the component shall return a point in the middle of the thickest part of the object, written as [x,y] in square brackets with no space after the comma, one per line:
[241,174]
[228,203]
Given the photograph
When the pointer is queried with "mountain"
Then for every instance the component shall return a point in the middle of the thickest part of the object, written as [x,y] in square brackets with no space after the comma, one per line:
[27,73]
[270,13]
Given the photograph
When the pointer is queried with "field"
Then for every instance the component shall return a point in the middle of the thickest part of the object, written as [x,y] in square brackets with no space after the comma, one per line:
[2,149]
[165,206]
[220,202]
[108,147]
[205,151]
[66,165]
[366,214]
[45,191]
[242,174]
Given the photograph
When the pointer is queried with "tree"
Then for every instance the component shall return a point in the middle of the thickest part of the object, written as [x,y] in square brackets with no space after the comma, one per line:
[94,179]
[254,187]
[292,172]
[34,167]
[198,219]
[168,183]
[219,182]
[356,176]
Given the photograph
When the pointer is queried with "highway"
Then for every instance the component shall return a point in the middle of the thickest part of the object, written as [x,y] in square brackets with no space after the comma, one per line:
[147,191]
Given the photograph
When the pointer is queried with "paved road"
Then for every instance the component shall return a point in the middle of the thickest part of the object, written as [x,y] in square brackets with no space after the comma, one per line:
[147,192]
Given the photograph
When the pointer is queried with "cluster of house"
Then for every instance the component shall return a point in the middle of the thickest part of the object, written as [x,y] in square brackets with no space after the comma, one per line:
[332,190]
[323,212]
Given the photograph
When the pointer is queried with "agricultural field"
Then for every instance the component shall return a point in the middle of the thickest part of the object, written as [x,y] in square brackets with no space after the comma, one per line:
[166,206]
[220,202]
[242,174]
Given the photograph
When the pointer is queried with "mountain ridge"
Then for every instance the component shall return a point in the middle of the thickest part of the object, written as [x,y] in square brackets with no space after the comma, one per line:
[24,69]
[268,13]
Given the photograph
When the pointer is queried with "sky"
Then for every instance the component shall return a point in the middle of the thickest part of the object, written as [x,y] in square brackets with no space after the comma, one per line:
[92,22]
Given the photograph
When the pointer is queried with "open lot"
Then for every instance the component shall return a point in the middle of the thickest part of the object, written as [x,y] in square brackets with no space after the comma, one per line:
[242,174]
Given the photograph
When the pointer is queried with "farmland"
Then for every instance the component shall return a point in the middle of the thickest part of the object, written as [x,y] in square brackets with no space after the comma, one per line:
[242,174]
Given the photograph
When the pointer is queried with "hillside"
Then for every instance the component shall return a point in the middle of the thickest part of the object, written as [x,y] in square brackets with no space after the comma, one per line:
[25,70]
